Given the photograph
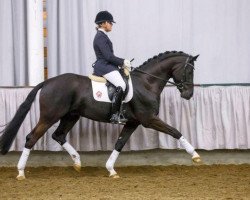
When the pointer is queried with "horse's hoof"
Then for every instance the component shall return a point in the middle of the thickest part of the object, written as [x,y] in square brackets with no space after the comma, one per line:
[115,176]
[77,167]
[20,177]
[197,160]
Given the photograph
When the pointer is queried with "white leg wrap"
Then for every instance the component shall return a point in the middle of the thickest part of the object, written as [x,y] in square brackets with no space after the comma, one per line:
[188,147]
[111,161]
[72,152]
[23,159]
[22,163]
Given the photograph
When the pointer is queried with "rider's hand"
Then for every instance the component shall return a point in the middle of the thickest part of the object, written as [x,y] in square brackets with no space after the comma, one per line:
[127,64]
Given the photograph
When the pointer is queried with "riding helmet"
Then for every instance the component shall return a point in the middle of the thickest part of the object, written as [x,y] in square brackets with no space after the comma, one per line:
[103,16]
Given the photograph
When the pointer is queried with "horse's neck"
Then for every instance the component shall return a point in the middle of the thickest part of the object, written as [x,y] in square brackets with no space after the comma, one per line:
[162,70]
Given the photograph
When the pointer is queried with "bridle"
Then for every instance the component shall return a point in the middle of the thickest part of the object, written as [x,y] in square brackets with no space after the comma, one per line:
[184,76]
[179,85]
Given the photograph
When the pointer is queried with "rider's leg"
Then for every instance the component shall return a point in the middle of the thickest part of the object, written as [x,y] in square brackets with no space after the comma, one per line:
[116,109]
[116,79]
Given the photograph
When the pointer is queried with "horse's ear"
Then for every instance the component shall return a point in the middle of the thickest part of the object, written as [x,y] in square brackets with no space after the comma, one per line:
[195,57]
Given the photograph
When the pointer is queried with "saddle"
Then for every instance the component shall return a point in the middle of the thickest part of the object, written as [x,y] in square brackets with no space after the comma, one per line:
[110,87]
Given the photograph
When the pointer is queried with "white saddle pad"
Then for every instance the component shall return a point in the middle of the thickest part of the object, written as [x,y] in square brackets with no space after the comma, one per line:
[100,92]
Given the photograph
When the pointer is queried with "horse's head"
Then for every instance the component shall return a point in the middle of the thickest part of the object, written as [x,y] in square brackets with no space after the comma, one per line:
[161,68]
[183,74]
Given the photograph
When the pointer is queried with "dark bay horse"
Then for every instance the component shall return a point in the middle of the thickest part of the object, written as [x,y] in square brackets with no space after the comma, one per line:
[69,96]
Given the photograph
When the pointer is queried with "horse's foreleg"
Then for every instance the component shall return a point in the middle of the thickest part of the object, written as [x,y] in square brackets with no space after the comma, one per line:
[127,130]
[66,123]
[157,124]
[110,164]
[31,139]
[190,149]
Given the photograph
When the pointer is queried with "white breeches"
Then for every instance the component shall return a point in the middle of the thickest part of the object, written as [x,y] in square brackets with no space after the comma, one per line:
[116,79]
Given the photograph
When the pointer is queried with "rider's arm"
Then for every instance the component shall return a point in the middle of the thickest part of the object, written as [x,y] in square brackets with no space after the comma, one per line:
[102,43]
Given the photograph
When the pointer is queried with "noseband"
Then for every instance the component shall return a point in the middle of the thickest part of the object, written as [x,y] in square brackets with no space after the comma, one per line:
[179,85]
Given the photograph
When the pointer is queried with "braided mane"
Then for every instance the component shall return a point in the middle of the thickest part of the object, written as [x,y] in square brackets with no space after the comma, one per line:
[163,56]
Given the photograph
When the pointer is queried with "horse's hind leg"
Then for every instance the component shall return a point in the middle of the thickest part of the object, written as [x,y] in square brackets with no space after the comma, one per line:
[66,123]
[31,140]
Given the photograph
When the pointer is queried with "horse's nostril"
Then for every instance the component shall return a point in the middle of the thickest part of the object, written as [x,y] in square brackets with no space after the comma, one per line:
[187,94]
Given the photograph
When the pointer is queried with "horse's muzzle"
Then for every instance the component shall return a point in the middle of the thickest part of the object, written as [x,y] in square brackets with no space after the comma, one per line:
[187,94]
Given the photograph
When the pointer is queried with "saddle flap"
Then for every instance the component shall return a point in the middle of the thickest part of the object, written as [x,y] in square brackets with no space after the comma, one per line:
[110,88]
[102,93]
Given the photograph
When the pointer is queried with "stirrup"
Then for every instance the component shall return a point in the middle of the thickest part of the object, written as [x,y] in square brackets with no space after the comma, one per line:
[118,118]
[122,119]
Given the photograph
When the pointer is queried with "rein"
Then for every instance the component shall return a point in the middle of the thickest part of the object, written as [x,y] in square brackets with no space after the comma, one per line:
[178,85]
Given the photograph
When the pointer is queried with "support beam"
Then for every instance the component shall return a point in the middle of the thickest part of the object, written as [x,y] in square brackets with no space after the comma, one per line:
[35,42]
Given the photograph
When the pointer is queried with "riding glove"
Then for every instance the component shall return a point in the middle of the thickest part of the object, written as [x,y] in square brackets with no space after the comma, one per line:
[127,64]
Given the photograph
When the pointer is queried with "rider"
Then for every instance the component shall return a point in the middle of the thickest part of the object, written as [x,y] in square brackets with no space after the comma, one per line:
[107,63]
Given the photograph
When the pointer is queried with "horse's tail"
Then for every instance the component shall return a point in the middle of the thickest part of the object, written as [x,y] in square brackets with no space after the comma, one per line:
[10,132]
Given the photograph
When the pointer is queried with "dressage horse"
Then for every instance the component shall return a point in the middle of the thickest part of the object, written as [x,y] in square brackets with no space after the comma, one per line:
[67,97]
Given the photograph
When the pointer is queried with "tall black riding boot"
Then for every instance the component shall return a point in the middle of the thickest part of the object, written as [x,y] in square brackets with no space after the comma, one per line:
[117,116]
